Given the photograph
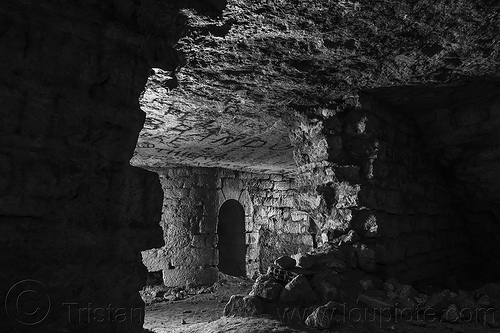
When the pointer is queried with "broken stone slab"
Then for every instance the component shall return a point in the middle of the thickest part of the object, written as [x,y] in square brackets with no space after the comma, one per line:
[407,304]
[267,288]
[304,260]
[377,294]
[420,301]
[326,291]
[391,295]
[322,317]
[483,301]
[438,301]
[337,265]
[407,291]
[329,277]
[298,291]
[375,304]
[285,262]
[280,274]
[392,282]
[366,285]
[388,287]
[423,296]
[451,314]
[243,306]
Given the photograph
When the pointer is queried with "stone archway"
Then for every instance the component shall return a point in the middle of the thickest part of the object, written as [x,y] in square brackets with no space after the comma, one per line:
[231,233]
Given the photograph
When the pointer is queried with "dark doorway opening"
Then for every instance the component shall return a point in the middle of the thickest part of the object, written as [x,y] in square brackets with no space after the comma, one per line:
[231,232]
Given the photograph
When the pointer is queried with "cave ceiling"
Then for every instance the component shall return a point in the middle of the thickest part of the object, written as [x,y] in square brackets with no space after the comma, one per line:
[247,72]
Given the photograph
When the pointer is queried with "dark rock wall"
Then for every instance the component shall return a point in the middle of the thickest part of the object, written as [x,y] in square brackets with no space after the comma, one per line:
[375,176]
[407,209]
[458,125]
[463,138]
[73,214]
[469,149]
[274,223]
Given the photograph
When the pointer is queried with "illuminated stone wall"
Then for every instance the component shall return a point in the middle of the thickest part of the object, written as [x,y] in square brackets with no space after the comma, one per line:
[273,224]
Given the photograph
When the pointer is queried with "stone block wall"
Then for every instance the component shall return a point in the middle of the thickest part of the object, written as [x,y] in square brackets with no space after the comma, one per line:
[193,196]
[275,224]
[189,220]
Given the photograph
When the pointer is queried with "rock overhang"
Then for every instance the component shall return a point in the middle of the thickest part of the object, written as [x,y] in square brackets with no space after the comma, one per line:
[248,71]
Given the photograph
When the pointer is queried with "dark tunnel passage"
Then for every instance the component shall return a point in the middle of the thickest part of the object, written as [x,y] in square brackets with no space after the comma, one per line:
[231,232]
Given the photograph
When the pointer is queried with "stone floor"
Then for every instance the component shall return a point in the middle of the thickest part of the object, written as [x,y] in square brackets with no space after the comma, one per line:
[202,312]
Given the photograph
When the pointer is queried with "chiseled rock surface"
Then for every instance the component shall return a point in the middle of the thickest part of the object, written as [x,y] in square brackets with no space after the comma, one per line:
[439,301]
[322,317]
[266,288]
[325,291]
[243,306]
[451,314]
[374,303]
[337,265]
[406,291]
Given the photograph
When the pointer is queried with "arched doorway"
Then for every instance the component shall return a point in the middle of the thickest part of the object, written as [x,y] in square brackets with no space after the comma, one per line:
[231,232]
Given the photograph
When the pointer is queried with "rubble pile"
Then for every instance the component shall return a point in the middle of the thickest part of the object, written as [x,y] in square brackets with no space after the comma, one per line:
[337,283]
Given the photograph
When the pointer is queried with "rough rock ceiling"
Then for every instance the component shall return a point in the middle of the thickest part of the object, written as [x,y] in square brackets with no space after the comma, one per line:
[248,71]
